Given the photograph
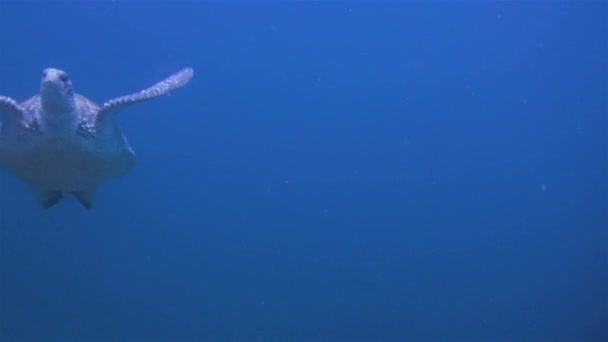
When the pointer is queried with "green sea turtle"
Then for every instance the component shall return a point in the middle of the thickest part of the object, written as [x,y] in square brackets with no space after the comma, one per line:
[60,142]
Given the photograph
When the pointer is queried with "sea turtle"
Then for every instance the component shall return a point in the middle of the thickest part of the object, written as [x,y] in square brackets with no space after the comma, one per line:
[60,142]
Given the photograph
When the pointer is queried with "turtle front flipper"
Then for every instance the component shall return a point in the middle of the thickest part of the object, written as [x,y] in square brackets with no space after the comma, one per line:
[47,199]
[10,108]
[164,87]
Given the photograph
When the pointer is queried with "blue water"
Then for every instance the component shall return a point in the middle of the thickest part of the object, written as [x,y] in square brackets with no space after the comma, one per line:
[365,171]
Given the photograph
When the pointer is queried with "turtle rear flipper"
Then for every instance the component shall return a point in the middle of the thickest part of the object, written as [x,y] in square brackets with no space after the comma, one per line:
[85,198]
[48,199]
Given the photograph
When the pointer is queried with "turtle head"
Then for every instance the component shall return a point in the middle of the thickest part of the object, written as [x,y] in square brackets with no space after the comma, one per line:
[56,93]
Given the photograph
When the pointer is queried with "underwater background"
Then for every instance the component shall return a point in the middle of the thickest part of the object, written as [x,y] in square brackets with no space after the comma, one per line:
[335,171]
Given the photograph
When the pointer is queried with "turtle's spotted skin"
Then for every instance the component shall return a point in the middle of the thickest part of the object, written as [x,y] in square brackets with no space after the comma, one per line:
[60,142]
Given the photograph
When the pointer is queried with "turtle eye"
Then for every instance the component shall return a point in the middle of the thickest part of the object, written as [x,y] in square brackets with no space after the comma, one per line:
[63,77]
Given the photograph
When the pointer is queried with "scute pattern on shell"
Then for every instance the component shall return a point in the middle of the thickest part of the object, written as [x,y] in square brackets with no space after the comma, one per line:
[87,114]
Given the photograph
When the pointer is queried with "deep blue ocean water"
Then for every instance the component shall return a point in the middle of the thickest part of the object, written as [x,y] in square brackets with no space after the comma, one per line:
[336,171]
